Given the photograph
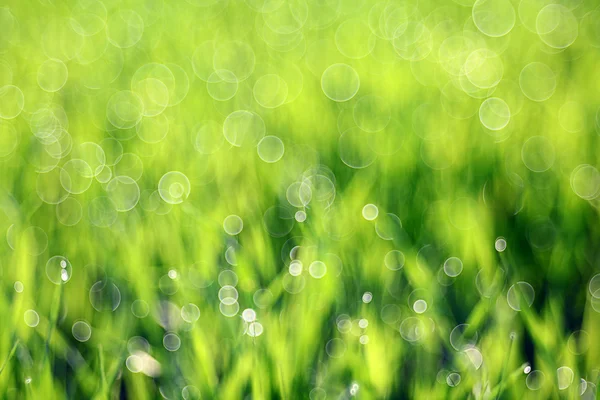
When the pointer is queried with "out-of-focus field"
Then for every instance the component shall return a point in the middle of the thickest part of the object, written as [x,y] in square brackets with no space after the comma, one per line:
[299,199]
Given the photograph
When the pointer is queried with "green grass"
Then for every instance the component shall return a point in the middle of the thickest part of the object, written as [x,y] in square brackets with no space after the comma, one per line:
[88,138]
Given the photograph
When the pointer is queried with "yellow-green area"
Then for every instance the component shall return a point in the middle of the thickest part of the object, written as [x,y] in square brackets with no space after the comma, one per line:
[299,199]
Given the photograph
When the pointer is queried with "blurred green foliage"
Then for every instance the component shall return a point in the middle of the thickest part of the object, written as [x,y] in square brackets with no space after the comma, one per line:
[294,199]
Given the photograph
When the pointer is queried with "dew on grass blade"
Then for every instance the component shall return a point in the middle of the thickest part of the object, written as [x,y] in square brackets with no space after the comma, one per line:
[484,68]
[263,298]
[557,26]
[278,221]
[565,376]
[171,342]
[336,348]
[255,329]
[139,308]
[394,260]
[535,380]
[228,277]
[134,363]
[270,91]
[249,315]
[243,128]
[500,244]
[229,309]
[474,356]
[82,331]
[12,101]
[370,212]
[340,82]
[190,313]
[228,295]
[585,181]
[463,337]
[520,295]
[295,268]
[389,227]
[538,154]
[293,284]
[124,193]
[420,306]
[419,300]
[594,286]
[453,266]
[52,75]
[105,296]
[222,85]
[537,81]
[169,284]
[76,176]
[317,269]
[58,270]
[494,18]
[578,342]
[270,149]
[300,216]
[124,110]
[174,187]
[453,379]
[412,329]
[494,113]
[233,225]
[32,319]
[191,392]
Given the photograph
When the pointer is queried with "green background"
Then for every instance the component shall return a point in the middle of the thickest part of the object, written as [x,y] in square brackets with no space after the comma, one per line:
[444,186]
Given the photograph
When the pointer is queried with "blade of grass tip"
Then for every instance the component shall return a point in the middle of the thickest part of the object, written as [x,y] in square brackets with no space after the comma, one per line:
[112,375]
[102,374]
[484,372]
[52,322]
[282,384]
[511,378]
[505,366]
[255,362]
[9,356]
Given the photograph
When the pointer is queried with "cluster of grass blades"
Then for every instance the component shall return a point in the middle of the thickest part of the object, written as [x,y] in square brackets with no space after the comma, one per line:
[299,199]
